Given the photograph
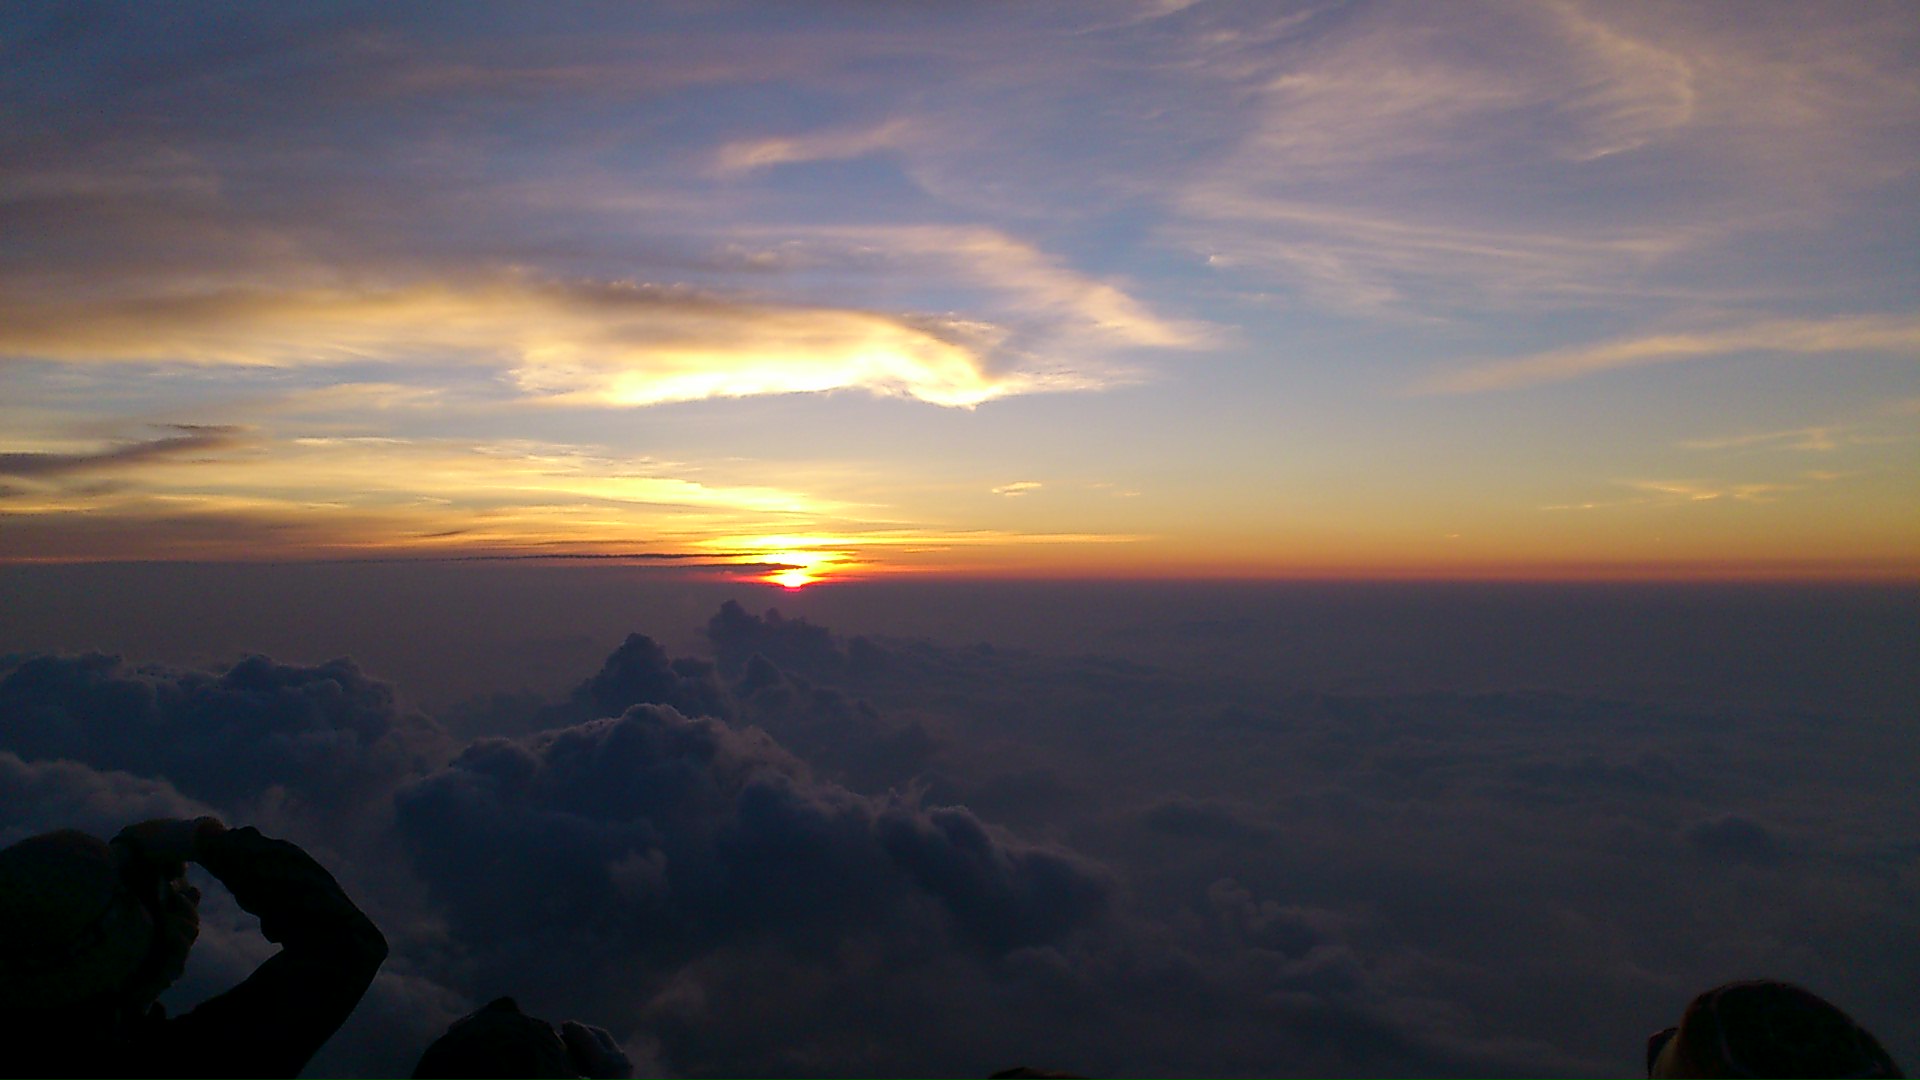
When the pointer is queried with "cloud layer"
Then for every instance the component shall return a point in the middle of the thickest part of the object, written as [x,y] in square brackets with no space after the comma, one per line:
[821,854]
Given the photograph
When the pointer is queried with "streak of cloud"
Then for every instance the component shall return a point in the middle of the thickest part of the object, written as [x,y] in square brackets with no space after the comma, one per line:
[1845,334]
[191,440]
[1065,305]
[1364,260]
[1818,438]
[750,154]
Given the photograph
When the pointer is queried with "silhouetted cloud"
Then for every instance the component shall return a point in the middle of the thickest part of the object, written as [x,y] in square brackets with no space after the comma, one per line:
[326,735]
[639,672]
[841,736]
[1732,837]
[737,635]
[672,834]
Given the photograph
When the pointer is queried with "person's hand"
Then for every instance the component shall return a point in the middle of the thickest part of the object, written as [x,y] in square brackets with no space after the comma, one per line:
[166,844]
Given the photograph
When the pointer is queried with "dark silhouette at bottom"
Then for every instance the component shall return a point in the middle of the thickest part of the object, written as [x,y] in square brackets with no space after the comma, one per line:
[498,1040]
[91,933]
[1766,1028]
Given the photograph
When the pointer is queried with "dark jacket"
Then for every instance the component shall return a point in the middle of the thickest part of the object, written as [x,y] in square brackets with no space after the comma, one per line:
[269,1025]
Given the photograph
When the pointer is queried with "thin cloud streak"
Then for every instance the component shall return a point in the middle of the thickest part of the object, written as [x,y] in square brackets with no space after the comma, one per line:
[1066,308]
[192,440]
[750,154]
[1814,438]
[1846,334]
[1356,259]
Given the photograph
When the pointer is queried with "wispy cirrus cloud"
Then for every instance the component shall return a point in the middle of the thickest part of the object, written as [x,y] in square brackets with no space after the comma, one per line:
[1402,161]
[1844,334]
[1381,261]
[1816,438]
[747,155]
[1364,179]
[1058,304]
[1696,490]
[1702,491]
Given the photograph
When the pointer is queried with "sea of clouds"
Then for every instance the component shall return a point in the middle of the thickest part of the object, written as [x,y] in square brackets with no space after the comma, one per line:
[808,852]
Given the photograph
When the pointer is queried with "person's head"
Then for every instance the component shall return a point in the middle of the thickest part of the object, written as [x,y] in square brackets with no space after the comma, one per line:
[500,1040]
[1766,1028]
[83,926]
[497,1040]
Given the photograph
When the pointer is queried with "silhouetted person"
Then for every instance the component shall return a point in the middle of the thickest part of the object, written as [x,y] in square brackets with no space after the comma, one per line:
[91,933]
[498,1040]
[1766,1028]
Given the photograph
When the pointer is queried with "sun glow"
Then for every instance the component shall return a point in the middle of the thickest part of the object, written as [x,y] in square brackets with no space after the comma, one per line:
[799,569]
[791,579]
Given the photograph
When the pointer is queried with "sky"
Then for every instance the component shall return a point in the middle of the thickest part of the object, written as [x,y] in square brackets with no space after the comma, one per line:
[841,290]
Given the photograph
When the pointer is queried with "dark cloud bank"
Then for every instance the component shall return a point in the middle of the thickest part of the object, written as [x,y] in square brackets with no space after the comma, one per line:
[817,854]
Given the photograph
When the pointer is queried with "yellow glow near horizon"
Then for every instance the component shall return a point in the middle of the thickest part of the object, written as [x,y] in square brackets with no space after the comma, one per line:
[791,579]
[800,568]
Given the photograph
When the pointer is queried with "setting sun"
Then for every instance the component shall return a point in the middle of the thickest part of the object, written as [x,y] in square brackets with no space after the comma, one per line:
[798,568]
[791,579]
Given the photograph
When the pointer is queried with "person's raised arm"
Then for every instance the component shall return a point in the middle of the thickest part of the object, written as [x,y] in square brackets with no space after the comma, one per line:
[274,1021]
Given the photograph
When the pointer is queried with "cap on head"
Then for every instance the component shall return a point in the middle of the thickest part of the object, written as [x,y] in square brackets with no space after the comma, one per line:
[1769,1028]
[69,931]
[497,1040]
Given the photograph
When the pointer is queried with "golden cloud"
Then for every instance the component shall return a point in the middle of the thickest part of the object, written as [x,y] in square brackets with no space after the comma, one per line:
[567,343]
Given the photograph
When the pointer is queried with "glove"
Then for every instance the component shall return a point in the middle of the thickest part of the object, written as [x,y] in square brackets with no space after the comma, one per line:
[165,845]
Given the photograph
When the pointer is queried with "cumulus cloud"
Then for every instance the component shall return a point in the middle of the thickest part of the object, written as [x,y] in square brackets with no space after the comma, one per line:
[639,672]
[665,838]
[260,732]
[841,736]
[1732,837]
[737,636]
[39,796]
